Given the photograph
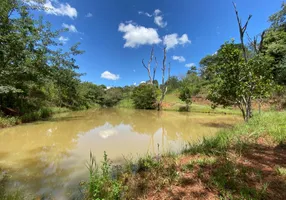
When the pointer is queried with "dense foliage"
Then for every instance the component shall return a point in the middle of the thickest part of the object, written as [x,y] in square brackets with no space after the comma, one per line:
[189,87]
[145,96]
[35,71]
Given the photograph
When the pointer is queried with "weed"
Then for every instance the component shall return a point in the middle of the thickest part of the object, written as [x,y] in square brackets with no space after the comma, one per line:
[281,171]
[102,185]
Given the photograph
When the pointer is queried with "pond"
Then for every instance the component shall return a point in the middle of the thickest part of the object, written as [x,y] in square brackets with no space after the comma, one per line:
[49,158]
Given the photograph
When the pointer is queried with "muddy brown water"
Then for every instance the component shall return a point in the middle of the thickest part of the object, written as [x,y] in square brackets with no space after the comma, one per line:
[48,158]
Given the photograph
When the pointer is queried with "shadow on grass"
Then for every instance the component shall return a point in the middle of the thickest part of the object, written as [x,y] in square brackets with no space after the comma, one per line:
[252,175]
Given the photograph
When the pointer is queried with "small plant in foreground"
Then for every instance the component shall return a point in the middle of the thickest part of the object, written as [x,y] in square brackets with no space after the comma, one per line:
[101,184]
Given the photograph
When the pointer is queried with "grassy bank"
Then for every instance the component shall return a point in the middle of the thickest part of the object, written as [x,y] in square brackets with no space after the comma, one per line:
[41,114]
[173,103]
[246,162]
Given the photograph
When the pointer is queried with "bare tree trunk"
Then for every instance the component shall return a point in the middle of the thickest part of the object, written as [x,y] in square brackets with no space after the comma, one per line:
[148,68]
[164,88]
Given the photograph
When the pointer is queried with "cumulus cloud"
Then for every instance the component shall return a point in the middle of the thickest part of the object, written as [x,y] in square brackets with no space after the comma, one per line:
[109,76]
[63,39]
[172,40]
[142,82]
[179,58]
[54,7]
[89,15]
[136,35]
[190,65]
[71,27]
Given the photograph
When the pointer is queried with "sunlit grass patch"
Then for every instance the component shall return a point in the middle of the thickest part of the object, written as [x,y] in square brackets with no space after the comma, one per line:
[281,171]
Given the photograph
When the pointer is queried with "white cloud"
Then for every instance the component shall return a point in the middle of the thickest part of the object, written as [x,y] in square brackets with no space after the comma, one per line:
[144,13]
[157,12]
[63,39]
[135,83]
[53,7]
[109,76]
[179,58]
[71,27]
[190,65]
[172,40]
[158,18]
[136,35]
[89,15]
[142,82]
[159,21]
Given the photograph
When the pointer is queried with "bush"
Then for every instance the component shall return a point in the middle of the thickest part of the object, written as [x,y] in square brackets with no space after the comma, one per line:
[111,97]
[8,121]
[145,96]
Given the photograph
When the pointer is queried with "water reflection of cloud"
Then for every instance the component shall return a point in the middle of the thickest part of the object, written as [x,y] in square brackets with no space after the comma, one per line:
[107,133]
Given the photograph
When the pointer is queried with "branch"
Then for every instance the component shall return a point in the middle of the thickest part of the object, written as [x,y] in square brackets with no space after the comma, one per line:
[164,66]
[261,41]
[155,68]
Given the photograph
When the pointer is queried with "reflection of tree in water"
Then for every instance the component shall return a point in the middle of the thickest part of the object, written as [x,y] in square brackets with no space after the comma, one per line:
[37,151]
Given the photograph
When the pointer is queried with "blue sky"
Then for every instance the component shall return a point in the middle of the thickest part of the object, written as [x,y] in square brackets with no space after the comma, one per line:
[116,35]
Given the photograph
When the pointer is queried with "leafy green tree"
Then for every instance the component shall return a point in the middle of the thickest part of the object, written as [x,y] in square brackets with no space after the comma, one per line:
[145,96]
[110,97]
[34,70]
[237,82]
[173,83]
[274,44]
[190,86]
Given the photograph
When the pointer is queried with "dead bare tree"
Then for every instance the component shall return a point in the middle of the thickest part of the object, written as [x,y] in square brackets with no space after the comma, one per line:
[242,30]
[164,87]
[148,68]
[155,68]
[169,70]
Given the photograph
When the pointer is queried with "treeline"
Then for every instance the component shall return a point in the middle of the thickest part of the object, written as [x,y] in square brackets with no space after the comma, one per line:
[35,72]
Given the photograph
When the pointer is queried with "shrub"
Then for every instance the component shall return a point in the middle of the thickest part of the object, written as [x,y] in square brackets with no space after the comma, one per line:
[111,97]
[145,96]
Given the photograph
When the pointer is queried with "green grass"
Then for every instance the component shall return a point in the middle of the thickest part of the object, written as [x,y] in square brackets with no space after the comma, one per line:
[125,103]
[269,123]
[281,171]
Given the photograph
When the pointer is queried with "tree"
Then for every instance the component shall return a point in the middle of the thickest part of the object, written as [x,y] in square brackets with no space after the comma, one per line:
[190,86]
[205,65]
[237,82]
[163,87]
[173,83]
[274,44]
[145,96]
[110,97]
[34,70]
